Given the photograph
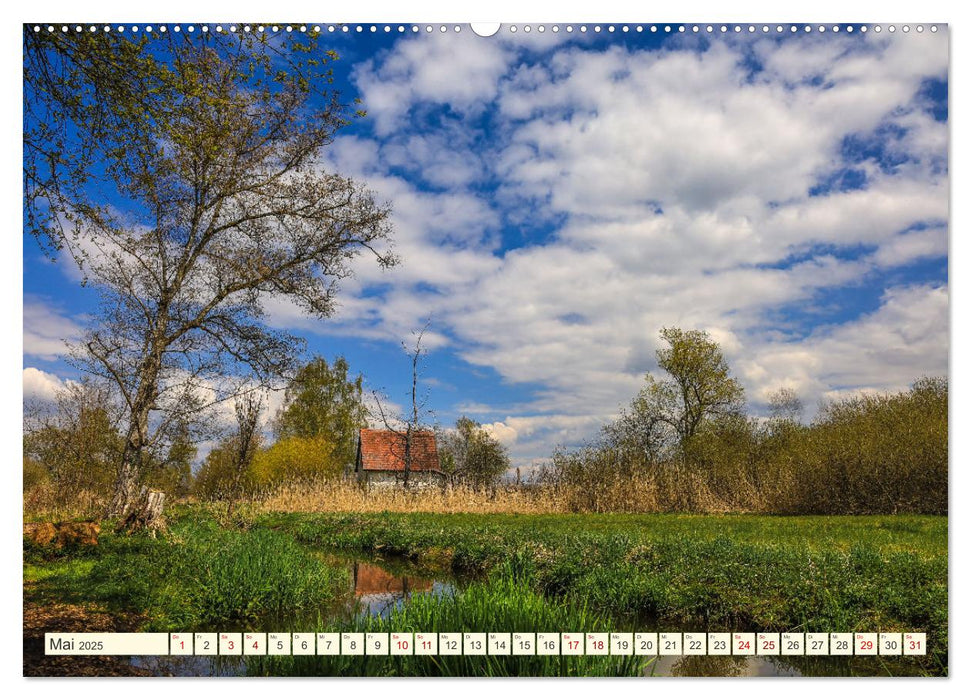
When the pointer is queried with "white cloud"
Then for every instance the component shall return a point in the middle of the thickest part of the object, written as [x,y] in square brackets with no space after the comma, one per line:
[532,438]
[41,385]
[679,184]
[912,245]
[671,188]
[46,331]
[457,69]
[505,434]
[906,337]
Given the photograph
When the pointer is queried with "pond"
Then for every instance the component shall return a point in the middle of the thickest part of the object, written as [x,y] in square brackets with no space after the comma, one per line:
[377,586]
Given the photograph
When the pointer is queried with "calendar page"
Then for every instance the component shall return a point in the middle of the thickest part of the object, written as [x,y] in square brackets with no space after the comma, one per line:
[485,350]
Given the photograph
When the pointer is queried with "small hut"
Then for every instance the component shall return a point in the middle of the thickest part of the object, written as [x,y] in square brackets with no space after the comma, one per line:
[381,458]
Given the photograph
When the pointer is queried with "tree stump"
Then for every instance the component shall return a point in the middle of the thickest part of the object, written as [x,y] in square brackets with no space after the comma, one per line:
[145,514]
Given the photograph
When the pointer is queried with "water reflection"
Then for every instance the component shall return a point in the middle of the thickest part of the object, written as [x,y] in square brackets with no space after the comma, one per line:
[378,590]
[752,666]
[192,666]
[721,666]
[377,587]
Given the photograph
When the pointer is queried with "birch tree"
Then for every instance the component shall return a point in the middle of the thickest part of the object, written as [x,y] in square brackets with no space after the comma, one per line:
[183,175]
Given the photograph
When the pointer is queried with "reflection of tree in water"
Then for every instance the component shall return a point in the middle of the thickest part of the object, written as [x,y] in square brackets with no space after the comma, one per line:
[727,666]
[377,589]
[193,665]
[372,579]
[809,666]
[820,665]
[868,666]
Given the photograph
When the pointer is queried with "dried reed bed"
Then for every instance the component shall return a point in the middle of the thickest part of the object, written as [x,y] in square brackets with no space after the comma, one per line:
[330,497]
[640,494]
[657,493]
[45,503]
[661,492]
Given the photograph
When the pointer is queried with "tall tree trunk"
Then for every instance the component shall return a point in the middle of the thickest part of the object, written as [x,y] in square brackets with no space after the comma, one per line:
[126,485]
[130,469]
[407,455]
[248,410]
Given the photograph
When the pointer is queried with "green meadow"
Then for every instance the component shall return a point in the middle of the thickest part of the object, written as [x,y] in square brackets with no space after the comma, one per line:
[267,572]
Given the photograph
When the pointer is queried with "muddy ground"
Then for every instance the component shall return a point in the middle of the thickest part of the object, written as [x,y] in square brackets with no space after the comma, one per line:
[42,616]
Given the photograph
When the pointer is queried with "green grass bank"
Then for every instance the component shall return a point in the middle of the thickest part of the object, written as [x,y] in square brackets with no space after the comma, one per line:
[519,573]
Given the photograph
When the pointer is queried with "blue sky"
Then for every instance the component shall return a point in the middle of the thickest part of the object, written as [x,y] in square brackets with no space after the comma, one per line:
[559,198]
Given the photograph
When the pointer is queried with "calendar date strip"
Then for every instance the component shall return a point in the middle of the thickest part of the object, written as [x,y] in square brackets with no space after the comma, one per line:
[486,644]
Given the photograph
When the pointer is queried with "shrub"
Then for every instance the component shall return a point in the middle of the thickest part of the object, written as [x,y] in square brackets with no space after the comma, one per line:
[297,459]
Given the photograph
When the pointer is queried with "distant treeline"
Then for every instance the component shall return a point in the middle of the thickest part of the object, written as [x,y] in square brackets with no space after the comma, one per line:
[867,454]
[74,445]
[685,443]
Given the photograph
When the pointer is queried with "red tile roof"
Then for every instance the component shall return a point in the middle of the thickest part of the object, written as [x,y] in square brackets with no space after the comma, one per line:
[384,450]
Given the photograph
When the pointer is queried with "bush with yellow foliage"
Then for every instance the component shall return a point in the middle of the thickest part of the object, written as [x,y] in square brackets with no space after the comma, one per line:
[296,459]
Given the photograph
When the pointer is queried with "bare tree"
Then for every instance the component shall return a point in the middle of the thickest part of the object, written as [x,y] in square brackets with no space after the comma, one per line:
[204,198]
[247,439]
[413,421]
